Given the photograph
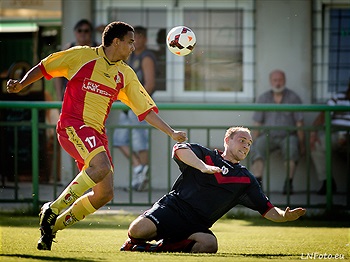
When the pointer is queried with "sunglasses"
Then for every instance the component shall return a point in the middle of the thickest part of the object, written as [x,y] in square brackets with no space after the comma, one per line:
[83,31]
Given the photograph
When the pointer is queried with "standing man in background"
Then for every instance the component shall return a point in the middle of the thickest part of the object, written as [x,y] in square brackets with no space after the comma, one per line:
[339,138]
[143,61]
[278,94]
[161,59]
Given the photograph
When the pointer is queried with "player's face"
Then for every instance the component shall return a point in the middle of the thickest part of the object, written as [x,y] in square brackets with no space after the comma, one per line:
[238,147]
[126,46]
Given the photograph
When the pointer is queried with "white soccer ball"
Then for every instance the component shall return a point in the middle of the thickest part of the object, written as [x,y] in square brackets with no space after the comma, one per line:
[181,40]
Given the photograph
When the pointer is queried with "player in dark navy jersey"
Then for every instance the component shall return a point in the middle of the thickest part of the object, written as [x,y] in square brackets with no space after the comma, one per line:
[211,183]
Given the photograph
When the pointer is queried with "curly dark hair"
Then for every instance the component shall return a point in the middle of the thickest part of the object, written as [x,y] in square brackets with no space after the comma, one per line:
[113,30]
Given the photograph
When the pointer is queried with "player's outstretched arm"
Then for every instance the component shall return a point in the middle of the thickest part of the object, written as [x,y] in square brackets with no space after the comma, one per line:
[154,120]
[187,156]
[276,214]
[15,86]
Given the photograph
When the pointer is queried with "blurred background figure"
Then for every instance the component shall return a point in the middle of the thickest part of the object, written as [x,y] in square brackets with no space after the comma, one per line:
[83,30]
[161,60]
[340,139]
[143,61]
[278,139]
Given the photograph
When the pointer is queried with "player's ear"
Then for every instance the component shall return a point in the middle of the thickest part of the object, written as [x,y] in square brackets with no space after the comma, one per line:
[116,41]
[226,140]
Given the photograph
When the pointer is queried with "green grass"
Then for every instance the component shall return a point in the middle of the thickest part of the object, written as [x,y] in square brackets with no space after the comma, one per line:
[99,238]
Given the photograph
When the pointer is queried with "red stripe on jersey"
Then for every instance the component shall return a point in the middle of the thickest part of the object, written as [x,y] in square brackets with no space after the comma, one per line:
[119,80]
[226,179]
[73,104]
[43,70]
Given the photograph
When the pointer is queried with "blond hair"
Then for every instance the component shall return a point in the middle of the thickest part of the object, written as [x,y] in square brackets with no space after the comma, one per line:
[232,131]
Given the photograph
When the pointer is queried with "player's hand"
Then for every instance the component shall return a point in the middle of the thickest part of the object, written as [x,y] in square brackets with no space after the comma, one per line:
[211,169]
[294,214]
[14,86]
[179,136]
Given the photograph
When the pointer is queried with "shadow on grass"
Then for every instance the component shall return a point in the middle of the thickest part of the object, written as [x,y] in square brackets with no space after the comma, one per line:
[91,222]
[45,258]
[334,219]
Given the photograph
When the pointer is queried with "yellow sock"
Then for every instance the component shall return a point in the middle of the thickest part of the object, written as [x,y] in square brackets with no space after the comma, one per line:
[72,192]
[78,211]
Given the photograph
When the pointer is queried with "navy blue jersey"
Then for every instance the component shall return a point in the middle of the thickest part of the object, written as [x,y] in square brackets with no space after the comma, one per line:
[207,197]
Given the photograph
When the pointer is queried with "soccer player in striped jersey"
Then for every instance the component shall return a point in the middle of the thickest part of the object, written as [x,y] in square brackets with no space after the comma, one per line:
[97,76]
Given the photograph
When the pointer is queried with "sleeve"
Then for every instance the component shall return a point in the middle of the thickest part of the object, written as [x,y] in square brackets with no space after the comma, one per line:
[59,64]
[255,199]
[176,147]
[136,97]
[196,148]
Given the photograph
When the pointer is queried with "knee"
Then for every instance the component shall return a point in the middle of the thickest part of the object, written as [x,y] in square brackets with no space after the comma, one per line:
[205,243]
[104,169]
[210,246]
[107,195]
[201,247]
[99,171]
[136,229]
[141,228]
[104,194]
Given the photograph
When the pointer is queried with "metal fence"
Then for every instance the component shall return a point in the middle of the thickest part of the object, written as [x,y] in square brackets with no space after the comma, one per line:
[36,128]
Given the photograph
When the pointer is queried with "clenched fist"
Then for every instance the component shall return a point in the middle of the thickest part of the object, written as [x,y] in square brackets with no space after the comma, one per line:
[14,86]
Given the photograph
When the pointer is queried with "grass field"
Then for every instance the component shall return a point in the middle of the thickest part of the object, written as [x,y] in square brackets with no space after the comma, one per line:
[99,238]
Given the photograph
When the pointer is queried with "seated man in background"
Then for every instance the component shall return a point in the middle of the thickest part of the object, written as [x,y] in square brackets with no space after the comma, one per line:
[211,183]
[339,138]
[291,143]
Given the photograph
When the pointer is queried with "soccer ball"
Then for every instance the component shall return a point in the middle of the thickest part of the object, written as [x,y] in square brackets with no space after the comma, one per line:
[181,40]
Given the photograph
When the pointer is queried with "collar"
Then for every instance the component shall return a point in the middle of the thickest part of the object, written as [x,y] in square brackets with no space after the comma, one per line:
[228,162]
[101,53]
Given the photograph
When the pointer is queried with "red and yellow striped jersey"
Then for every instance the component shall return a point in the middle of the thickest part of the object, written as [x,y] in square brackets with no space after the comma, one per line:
[94,83]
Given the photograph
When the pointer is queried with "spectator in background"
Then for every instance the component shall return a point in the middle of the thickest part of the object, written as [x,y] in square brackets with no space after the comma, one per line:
[83,36]
[161,60]
[143,61]
[339,138]
[278,94]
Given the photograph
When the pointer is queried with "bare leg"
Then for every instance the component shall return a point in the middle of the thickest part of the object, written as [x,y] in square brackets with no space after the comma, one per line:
[292,168]
[143,157]
[126,152]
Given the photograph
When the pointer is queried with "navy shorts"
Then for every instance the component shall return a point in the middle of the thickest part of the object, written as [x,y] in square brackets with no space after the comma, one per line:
[172,222]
